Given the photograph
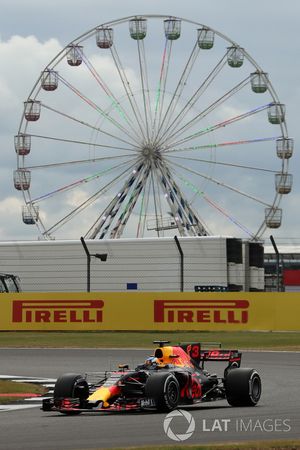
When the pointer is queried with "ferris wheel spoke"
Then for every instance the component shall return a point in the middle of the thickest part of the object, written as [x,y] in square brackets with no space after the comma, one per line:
[168,152]
[144,207]
[86,203]
[214,204]
[155,202]
[160,195]
[160,93]
[194,222]
[223,184]
[148,211]
[76,183]
[193,100]
[186,219]
[81,161]
[222,124]
[129,92]
[170,197]
[105,219]
[209,109]
[221,163]
[114,101]
[82,122]
[89,144]
[141,212]
[97,108]
[178,90]
[162,189]
[116,232]
[145,86]
[131,189]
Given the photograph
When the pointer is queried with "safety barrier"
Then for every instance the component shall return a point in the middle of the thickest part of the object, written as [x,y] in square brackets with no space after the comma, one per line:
[226,311]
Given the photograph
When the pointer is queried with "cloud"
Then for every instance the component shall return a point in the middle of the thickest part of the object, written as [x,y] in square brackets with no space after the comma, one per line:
[10,211]
[24,58]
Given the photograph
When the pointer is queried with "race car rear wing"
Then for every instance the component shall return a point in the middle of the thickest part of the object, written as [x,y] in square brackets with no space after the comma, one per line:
[193,349]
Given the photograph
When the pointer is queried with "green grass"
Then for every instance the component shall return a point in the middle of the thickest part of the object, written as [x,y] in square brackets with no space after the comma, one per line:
[11,387]
[241,340]
[257,445]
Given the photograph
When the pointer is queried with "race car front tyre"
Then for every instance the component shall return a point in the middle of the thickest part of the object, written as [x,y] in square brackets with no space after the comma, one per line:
[242,387]
[71,385]
[164,388]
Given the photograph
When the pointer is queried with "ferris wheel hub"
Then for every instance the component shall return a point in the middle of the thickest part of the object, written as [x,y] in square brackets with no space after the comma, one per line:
[151,152]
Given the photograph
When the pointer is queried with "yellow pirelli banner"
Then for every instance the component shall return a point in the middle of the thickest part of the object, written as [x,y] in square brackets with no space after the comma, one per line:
[230,311]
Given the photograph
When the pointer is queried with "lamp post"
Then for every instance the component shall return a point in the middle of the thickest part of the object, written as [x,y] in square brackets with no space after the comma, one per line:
[101,256]
[277,262]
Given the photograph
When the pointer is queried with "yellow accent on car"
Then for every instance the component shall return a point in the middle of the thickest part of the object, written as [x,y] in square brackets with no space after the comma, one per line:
[103,394]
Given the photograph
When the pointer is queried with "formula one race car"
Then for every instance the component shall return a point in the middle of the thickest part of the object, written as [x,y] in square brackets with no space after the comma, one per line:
[174,376]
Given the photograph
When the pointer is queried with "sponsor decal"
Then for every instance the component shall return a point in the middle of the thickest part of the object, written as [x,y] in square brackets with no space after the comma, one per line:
[57,311]
[201,311]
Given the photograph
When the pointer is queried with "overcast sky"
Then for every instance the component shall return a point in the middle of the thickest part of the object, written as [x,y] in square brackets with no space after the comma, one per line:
[32,32]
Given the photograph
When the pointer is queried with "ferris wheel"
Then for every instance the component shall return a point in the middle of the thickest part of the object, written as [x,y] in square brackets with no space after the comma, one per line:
[151,125]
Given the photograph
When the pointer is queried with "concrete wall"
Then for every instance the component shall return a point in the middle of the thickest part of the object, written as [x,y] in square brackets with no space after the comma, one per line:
[152,264]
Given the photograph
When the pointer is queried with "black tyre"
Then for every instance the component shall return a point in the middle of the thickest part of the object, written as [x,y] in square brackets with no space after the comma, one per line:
[71,385]
[164,388]
[242,387]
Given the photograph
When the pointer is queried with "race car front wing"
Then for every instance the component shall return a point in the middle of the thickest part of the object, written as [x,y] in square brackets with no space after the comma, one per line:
[75,406]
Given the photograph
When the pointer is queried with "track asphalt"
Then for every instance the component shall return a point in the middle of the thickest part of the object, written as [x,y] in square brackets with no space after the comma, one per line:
[277,416]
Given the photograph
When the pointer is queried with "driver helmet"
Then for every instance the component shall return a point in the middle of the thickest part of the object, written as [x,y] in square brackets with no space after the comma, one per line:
[152,360]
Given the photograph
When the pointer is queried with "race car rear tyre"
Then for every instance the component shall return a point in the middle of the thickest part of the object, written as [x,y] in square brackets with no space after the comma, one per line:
[71,385]
[164,388]
[242,387]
